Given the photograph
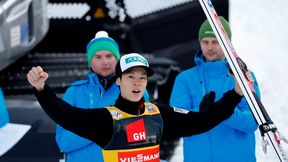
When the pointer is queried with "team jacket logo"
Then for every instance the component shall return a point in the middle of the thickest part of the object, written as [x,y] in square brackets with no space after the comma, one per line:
[136,131]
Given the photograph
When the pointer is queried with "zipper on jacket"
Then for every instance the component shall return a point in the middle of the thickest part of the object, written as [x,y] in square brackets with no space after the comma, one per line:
[91,99]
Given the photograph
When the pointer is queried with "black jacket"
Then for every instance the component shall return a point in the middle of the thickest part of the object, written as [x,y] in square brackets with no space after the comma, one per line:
[97,124]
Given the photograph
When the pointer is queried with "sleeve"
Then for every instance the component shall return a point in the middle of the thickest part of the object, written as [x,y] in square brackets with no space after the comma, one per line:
[243,115]
[180,123]
[177,99]
[84,122]
[64,137]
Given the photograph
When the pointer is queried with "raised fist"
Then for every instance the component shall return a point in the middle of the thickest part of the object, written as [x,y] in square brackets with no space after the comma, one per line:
[37,77]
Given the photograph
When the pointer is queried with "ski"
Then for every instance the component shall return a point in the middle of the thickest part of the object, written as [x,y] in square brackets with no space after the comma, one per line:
[268,130]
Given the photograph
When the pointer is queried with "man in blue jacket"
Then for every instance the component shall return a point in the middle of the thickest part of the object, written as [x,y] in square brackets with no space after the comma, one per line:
[233,139]
[98,90]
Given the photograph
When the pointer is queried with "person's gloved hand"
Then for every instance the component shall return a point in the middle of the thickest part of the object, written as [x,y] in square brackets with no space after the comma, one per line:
[207,101]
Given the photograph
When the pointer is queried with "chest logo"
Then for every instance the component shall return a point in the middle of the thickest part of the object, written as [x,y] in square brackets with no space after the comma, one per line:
[136,131]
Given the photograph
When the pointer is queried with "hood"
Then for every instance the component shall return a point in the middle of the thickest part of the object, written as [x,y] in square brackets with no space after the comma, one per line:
[199,58]
[210,66]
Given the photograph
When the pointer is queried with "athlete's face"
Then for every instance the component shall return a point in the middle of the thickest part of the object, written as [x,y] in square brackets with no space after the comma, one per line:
[211,49]
[133,83]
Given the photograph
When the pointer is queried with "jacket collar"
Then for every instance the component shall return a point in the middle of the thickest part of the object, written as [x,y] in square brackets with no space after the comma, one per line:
[213,68]
[134,108]
[94,78]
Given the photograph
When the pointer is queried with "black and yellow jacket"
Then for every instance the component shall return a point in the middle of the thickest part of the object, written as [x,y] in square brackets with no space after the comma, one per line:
[99,126]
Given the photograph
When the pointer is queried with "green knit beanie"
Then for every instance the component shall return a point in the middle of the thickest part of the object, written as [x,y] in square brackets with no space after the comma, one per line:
[206,30]
[102,42]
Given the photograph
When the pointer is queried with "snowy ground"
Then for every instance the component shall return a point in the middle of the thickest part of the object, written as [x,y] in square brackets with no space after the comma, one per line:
[260,37]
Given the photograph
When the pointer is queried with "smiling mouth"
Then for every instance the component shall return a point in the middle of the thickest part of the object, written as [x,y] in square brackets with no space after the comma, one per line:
[136,91]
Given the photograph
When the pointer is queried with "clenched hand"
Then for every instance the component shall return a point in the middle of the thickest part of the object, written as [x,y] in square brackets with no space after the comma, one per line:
[37,77]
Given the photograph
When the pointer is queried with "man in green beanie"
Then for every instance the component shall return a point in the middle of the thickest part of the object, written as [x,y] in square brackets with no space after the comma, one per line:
[98,90]
[232,140]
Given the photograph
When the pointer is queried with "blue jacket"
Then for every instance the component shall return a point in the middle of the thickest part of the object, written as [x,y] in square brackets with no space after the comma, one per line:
[86,94]
[233,139]
[4,116]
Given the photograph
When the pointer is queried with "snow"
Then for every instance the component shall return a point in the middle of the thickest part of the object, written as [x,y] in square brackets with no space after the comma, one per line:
[260,37]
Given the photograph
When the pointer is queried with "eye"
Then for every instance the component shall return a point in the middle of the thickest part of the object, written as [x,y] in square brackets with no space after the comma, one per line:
[205,42]
[109,56]
[143,78]
[97,57]
[215,42]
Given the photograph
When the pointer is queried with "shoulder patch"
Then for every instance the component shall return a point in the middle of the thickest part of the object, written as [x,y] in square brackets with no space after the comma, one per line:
[116,114]
[151,108]
[179,110]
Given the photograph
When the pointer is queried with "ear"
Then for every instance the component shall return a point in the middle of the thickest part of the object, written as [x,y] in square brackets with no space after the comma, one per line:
[118,81]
